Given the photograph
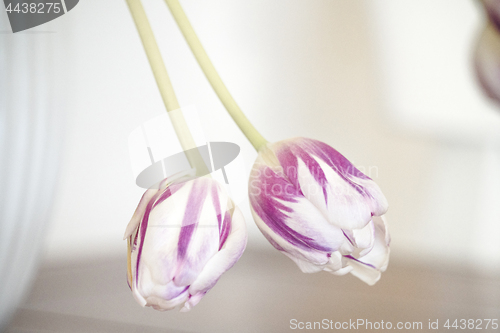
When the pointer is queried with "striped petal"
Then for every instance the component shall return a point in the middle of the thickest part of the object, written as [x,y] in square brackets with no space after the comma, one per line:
[182,228]
[284,215]
[346,196]
[223,260]
[318,209]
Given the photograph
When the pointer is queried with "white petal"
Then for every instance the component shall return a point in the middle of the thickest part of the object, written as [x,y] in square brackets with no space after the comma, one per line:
[366,274]
[305,266]
[320,231]
[161,304]
[369,267]
[364,239]
[224,259]
[342,271]
[344,206]
[192,301]
[376,199]
[379,255]
[159,251]
[335,262]
[346,248]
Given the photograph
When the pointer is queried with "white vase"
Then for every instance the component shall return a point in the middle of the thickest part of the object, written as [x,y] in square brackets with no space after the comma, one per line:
[30,142]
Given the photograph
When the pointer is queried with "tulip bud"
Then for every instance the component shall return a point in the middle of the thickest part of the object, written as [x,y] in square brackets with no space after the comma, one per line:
[314,206]
[181,239]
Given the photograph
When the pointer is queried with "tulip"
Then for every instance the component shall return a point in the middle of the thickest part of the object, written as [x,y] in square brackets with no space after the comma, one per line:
[492,8]
[314,206]
[487,62]
[181,239]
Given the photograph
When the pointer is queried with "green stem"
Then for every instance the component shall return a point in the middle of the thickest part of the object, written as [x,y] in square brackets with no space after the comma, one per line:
[160,74]
[213,77]
[166,90]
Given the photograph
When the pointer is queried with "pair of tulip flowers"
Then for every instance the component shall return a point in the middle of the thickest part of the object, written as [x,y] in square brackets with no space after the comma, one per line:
[307,199]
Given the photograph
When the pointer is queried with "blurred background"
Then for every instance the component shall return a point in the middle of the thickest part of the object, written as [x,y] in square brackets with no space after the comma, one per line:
[389,84]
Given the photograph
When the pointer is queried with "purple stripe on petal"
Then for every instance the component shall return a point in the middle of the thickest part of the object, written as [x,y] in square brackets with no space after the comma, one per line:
[272,211]
[128,283]
[168,193]
[158,198]
[349,236]
[313,166]
[335,159]
[135,239]
[273,243]
[172,291]
[142,230]
[191,217]
[226,229]
[216,203]
[289,151]
[305,149]
[364,263]
[184,238]
[290,165]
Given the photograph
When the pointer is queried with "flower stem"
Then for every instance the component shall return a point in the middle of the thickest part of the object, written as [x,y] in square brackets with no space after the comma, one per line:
[213,77]
[166,90]
[160,74]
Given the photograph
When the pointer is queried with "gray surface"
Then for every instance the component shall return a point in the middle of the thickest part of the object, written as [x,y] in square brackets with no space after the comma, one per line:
[260,294]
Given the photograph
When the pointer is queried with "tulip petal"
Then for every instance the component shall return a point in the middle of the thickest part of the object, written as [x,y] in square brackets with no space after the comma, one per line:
[369,267]
[365,273]
[336,187]
[313,205]
[158,231]
[161,304]
[199,237]
[139,212]
[364,239]
[176,233]
[305,266]
[223,260]
[192,301]
[284,214]
[282,244]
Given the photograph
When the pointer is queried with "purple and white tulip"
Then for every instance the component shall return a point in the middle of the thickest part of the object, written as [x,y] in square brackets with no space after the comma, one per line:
[487,54]
[181,239]
[314,206]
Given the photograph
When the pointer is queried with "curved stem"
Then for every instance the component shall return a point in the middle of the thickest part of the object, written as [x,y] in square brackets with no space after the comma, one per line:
[213,77]
[166,90]
[160,73]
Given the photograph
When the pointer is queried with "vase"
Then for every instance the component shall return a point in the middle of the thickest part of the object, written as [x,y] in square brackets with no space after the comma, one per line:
[31,137]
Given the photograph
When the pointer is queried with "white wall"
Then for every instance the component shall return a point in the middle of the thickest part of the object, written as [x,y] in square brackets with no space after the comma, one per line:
[296,68]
